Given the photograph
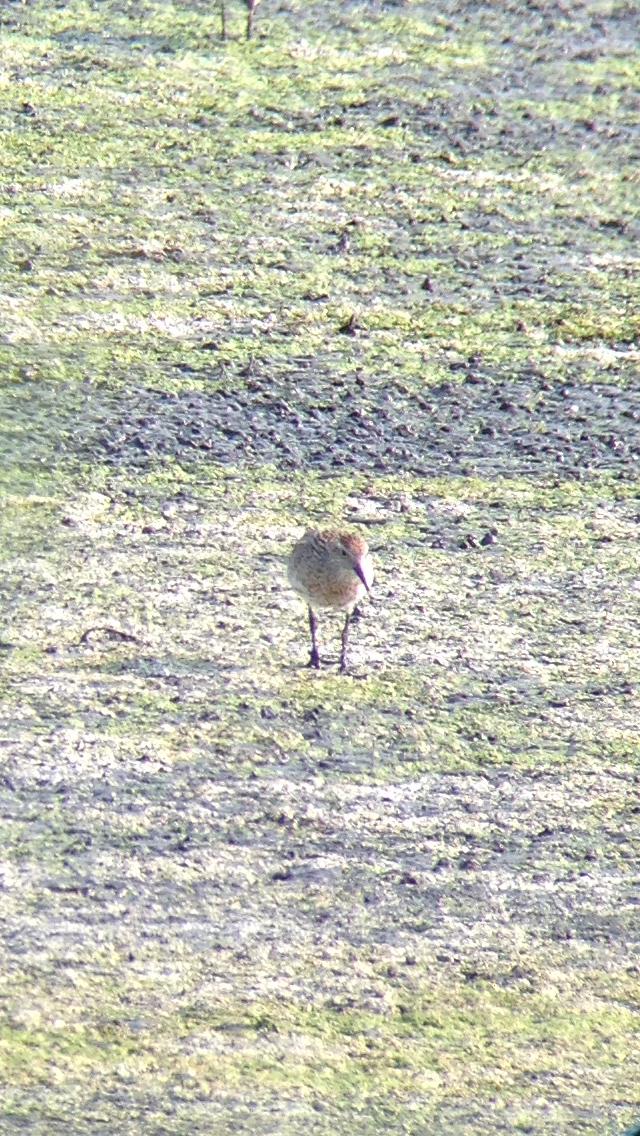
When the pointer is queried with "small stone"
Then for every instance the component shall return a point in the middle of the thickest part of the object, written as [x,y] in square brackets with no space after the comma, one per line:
[281,875]
[350,326]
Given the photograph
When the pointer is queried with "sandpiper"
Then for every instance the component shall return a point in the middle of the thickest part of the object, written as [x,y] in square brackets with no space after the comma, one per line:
[330,569]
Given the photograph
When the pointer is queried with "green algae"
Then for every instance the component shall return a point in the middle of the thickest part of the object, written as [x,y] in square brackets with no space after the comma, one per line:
[98,233]
[162,191]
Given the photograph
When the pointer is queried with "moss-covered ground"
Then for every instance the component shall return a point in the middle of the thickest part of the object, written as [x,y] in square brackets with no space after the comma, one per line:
[378,266]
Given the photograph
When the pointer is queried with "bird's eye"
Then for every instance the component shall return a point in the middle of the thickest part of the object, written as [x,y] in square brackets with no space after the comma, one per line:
[343,551]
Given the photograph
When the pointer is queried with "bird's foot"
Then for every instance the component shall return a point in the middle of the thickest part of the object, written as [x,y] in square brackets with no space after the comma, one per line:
[314,660]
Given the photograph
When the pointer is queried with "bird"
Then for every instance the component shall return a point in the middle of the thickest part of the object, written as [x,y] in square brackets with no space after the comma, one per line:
[329,568]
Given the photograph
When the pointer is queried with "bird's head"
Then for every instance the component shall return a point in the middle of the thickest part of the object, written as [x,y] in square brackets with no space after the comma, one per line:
[349,554]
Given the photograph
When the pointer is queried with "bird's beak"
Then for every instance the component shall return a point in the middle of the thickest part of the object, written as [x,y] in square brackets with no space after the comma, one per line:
[360,574]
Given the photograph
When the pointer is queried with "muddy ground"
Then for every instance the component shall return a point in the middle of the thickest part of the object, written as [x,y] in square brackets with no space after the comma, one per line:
[380,265]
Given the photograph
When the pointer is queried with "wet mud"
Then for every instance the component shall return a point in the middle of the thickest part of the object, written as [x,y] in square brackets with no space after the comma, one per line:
[378,267]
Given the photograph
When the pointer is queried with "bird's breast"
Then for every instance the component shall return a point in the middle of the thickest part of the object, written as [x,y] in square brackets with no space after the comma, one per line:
[320,589]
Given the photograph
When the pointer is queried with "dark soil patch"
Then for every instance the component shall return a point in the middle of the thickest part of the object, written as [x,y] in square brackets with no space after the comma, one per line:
[474,424]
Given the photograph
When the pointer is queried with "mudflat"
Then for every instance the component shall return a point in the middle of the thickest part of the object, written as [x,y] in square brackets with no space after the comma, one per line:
[377,267]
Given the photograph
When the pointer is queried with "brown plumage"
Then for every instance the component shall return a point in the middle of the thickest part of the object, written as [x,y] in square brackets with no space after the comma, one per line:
[330,569]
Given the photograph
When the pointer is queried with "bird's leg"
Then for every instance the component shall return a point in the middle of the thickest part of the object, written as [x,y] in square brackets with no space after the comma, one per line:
[223,21]
[345,640]
[251,7]
[314,658]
